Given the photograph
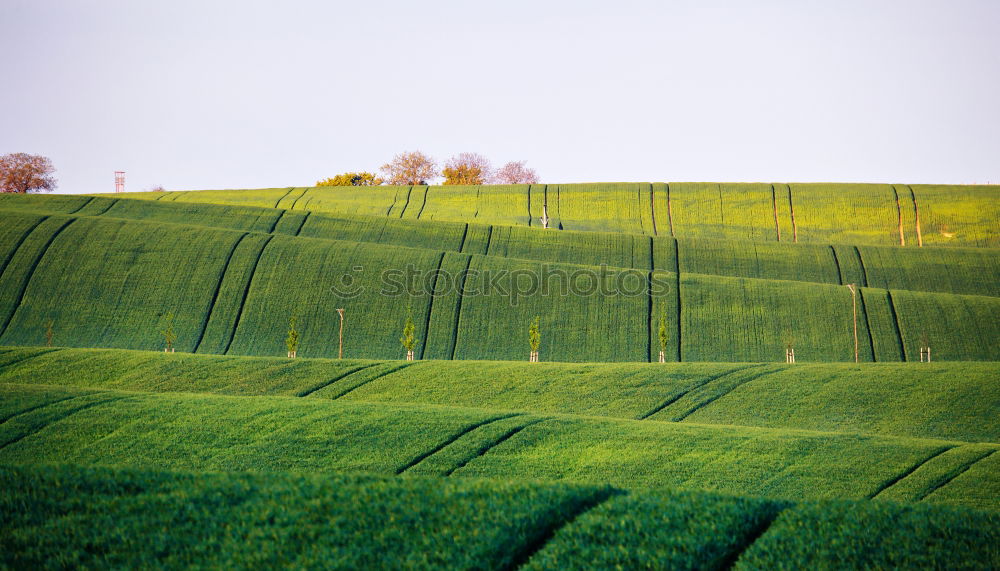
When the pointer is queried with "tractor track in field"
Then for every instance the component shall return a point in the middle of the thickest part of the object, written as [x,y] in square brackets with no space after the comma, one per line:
[649,310]
[381,232]
[31,273]
[791,213]
[652,207]
[329,382]
[20,241]
[892,481]
[296,201]
[458,308]
[218,287]
[712,399]
[861,262]
[559,205]
[465,233]
[409,191]
[545,535]
[82,206]
[489,240]
[276,220]
[303,223]
[29,357]
[730,560]
[59,419]
[246,292]
[373,379]
[836,262]
[393,205]
[529,205]
[484,449]
[452,439]
[916,217]
[427,190]
[545,204]
[290,189]
[670,213]
[774,208]
[899,215]
[868,325]
[677,287]
[38,406]
[949,478]
[682,394]
[430,307]
[895,324]
[114,201]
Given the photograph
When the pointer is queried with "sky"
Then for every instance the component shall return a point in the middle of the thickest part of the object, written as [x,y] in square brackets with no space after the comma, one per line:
[249,94]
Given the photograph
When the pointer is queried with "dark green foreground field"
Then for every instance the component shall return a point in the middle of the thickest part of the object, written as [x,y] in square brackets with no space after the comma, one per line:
[68,516]
[227,454]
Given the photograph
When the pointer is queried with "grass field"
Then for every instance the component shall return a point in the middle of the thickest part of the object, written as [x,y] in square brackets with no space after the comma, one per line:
[115,282]
[116,454]
[826,213]
[349,521]
[47,425]
[950,270]
[950,401]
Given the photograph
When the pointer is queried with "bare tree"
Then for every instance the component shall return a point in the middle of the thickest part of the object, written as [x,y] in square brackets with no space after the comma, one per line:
[467,168]
[410,168]
[515,173]
[23,173]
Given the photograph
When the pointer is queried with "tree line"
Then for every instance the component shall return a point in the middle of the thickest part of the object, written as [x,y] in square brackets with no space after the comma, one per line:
[414,167]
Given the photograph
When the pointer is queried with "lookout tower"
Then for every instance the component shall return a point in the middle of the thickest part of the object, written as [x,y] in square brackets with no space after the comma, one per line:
[119,181]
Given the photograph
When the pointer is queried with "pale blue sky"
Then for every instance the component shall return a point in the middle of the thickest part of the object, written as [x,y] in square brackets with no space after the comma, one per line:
[240,94]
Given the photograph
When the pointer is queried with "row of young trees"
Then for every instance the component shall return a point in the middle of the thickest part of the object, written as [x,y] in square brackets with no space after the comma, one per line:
[409,338]
[414,167]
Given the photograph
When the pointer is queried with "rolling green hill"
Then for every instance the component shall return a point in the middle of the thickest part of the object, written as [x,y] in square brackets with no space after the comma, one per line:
[364,521]
[952,401]
[826,213]
[114,282]
[950,270]
[45,424]
[116,454]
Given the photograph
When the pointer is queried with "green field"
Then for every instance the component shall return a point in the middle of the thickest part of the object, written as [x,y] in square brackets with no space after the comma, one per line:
[950,401]
[827,213]
[114,453]
[951,270]
[346,521]
[51,424]
[114,282]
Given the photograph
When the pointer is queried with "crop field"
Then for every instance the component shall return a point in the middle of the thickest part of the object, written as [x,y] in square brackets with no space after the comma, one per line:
[372,521]
[116,282]
[728,455]
[940,400]
[951,270]
[885,214]
[48,424]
